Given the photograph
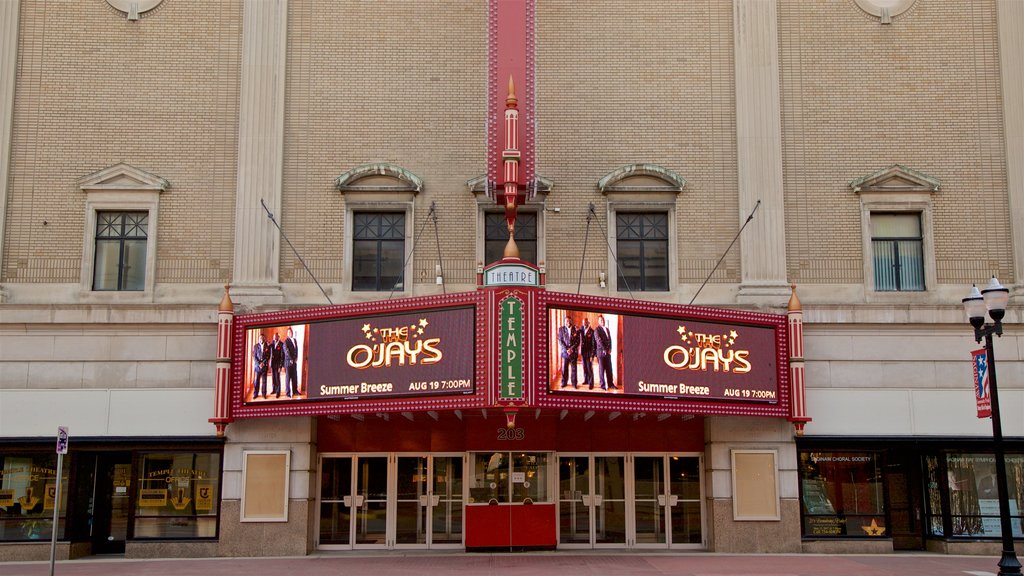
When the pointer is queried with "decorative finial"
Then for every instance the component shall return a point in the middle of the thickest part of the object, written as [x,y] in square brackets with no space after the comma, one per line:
[511,101]
[226,305]
[794,302]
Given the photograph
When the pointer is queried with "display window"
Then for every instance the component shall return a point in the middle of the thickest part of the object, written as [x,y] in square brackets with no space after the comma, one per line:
[28,485]
[178,495]
[969,482]
[841,495]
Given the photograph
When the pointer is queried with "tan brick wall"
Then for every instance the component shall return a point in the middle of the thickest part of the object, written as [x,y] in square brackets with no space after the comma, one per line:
[93,90]
[392,81]
[638,82]
[858,96]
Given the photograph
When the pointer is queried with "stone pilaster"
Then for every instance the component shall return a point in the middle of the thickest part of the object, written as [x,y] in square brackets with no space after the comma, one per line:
[8,69]
[260,150]
[759,152]
[1011,54]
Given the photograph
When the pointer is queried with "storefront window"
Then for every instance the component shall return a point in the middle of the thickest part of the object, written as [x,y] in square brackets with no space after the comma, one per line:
[178,495]
[973,494]
[502,477]
[841,494]
[934,496]
[27,493]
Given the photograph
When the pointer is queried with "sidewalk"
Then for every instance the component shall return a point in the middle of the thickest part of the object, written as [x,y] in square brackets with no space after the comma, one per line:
[528,564]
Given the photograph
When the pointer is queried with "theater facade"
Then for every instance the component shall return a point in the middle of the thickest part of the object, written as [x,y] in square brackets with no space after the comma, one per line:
[513,275]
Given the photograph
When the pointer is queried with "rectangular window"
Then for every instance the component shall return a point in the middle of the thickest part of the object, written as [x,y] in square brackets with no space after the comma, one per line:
[27,491]
[502,477]
[179,495]
[642,251]
[974,494]
[378,251]
[898,252]
[120,262]
[841,495]
[496,236]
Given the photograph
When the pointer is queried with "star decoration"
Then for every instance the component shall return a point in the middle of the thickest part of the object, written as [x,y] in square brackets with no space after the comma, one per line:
[366,327]
[423,322]
[733,335]
[874,529]
[419,331]
[681,330]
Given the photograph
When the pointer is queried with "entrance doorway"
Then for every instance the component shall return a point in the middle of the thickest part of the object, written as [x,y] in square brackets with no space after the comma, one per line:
[592,501]
[391,501]
[615,501]
[103,487]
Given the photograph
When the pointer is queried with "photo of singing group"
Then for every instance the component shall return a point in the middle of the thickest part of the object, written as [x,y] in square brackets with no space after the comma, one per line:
[585,351]
[276,363]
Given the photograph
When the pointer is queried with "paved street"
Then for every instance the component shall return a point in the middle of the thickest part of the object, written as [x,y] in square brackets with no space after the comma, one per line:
[562,563]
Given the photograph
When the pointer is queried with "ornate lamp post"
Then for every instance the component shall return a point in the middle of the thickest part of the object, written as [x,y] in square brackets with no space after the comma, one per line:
[994,298]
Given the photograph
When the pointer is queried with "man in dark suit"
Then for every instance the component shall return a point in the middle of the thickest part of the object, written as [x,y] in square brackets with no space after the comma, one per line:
[260,364]
[276,361]
[291,362]
[568,343]
[587,352]
[603,346]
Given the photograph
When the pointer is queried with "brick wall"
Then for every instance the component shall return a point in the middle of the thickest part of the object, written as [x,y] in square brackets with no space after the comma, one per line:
[858,96]
[93,90]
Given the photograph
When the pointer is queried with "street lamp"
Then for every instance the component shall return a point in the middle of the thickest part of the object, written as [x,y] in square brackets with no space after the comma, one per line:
[994,298]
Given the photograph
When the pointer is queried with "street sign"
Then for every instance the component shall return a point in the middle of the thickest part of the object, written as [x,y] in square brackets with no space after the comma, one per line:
[62,440]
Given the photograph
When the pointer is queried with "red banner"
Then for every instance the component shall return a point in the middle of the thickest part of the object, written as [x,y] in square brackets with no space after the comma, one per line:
[982,394]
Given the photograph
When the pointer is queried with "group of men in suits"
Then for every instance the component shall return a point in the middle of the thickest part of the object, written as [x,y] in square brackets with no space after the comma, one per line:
[586,343]
[272,357]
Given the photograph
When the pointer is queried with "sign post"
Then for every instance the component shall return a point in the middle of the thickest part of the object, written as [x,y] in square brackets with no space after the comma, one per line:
[62,449]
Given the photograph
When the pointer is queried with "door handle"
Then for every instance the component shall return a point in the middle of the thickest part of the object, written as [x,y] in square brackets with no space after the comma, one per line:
[673,500]
[358,498]
[598,499]
[348,501]
[661,499]
[586,500]
[434,500]
[423,499]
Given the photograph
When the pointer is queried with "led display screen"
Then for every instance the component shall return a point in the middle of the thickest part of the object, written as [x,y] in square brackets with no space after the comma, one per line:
[593,352]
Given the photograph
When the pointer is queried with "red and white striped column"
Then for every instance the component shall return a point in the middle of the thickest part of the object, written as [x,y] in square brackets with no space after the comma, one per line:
[798,411]
[222,408]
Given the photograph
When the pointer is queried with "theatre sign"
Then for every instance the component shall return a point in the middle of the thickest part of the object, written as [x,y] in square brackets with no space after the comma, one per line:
[514,347]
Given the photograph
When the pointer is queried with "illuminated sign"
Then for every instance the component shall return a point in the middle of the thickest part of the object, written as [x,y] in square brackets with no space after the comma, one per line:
[594,352]
[510,371]
[422,353]
[510,275]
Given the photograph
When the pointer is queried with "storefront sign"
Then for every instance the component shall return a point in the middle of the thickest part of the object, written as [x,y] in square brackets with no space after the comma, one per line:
[50,493]
[204,497]
[824,526]
[511,349]
[152,497]
[7,497]
[982,394]
[423,353]
[510,275]
[605,353]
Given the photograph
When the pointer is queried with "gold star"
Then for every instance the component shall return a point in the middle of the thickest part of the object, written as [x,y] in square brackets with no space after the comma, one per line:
[419,331]
[423,322]
[733,334]
[366,327]
[369,336]
[681,330]
[874,529]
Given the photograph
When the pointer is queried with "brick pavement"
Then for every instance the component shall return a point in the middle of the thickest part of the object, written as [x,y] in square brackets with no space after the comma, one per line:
[530,564]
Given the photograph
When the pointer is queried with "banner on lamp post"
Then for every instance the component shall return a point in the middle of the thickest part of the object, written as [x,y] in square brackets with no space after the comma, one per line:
[982,394]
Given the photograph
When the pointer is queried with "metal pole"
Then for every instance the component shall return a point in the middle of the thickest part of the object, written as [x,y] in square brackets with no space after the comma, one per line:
[1008,563]
[56,513]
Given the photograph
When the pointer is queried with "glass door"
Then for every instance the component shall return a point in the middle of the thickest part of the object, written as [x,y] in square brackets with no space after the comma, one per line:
[371,502]
[574,500]
[446,501]
[609,501]
[592,501]
[336,501]
[649,500]
[412,500]
[684,496]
